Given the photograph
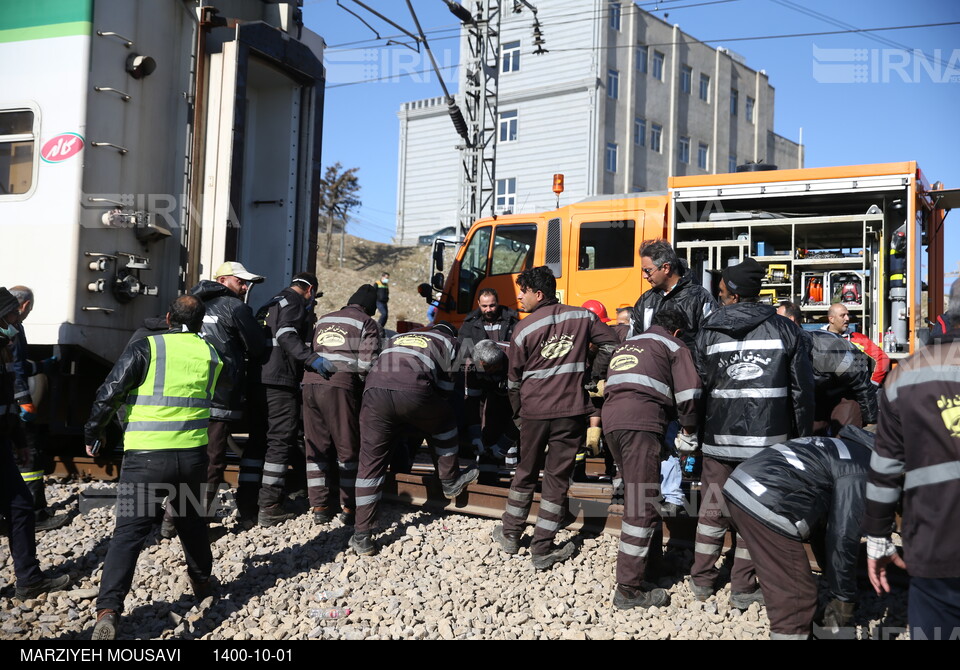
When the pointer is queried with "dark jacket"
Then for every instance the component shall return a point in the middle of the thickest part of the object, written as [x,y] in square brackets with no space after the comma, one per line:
[419,362]
[351,340]
[918,458]
[757,380]
[229,325]
[474,330]
[693,300]
[285,326]
[841,370]
[23,367]
[548,360]
[383,292]
[811,489]
[651,378]
[9,409]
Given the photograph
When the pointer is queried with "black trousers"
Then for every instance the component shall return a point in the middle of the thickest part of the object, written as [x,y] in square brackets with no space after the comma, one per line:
[275,412]
[17,505]
[33,468]
[147,477]
[564,435]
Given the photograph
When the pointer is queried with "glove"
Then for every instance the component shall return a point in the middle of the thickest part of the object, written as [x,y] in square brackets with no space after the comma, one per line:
[28,412]
[597,390]
[48,365]
[323,367]
[686,444]
[593,440]
[478,447]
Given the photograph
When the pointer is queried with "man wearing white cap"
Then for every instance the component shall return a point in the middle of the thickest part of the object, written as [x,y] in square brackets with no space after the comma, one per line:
[228,325]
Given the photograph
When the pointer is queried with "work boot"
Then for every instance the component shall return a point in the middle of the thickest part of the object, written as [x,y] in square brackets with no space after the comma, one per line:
[52,522]
[742,600]
[452,489]
[322,516]
[554,556]
[363,544]
[626,597]
[167,528]
[347,517]
[107,623]
[45,585]
[510,544]
[701,593]
[273,515]
[203,590]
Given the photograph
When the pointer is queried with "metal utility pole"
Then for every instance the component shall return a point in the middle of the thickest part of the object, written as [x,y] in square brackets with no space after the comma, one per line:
[481,65]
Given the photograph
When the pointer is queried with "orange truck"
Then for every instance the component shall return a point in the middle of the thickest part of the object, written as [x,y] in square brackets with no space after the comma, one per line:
[869,236]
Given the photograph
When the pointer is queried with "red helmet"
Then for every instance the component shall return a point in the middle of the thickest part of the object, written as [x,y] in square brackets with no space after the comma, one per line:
[597,308]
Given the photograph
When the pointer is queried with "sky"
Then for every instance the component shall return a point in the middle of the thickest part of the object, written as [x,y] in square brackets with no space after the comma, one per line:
[872,97]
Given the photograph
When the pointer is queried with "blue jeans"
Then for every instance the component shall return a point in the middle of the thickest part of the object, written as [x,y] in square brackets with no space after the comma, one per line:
[382,308]
[670,475]
[146,479]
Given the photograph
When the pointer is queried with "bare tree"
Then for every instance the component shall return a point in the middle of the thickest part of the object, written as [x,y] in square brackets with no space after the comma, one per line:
[339,191]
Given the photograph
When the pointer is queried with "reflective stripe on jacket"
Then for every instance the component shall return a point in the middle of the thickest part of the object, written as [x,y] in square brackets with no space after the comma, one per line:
[171,408]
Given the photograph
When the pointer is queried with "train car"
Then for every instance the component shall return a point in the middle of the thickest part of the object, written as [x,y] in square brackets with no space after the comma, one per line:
[141,145]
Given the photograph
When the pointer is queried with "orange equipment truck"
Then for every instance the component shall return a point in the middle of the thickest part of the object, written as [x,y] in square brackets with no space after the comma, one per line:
[869,236]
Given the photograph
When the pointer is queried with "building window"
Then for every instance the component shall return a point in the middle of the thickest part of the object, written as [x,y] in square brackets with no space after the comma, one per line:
[610,161]
[658,65]
[656,132]
[686,79]
[705,87]
[684,149]
[639,131]
[732,163]
[510,60]
[734,98]
[642,58]
[613,84]
[17,151]
[615,15]
[506,195]
[508,126]
[703,154]
[749,109]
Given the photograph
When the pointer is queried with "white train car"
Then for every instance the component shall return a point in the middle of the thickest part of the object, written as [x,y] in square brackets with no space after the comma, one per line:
[142,143]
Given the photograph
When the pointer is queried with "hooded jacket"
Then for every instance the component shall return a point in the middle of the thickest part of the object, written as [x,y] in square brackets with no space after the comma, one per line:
[841,370]
[757,380]
[812,488]
[693,300]
[285,326]
[228,325]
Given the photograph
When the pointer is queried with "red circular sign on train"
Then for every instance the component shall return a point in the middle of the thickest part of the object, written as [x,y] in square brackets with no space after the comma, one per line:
[61,147]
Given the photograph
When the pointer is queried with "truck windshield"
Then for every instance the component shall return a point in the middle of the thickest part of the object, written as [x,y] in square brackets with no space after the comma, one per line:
[513,249]
[473,268]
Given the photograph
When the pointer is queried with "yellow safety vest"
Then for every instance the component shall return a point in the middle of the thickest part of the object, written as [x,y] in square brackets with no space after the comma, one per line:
[171,409]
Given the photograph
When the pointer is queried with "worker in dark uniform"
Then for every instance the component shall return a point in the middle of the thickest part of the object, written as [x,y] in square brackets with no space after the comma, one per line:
[34,434]
[16,503]
[651,379]
[166,384]
[546,378]
[485,408]
[494,435]
[350,339]
[407,386]
[806,490]
[285,326]
[757,391]
[229,325]
[918,459]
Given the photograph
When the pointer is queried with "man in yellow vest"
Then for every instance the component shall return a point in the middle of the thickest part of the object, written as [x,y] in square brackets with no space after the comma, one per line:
[165,384]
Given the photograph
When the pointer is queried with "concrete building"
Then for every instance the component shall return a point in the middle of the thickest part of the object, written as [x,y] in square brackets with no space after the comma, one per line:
[621,101]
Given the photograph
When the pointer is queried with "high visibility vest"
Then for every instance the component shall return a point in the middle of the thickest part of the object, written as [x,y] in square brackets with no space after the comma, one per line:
[171,409]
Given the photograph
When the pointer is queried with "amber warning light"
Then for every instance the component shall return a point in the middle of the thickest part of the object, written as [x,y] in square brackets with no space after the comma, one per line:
[558,184]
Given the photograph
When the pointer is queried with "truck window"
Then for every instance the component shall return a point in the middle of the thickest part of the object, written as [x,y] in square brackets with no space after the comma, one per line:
[16,152]
[607,244]
[513,249]
[473,268]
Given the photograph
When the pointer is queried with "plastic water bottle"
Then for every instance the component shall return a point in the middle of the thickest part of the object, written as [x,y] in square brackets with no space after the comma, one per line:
[689,464]
[889,341]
